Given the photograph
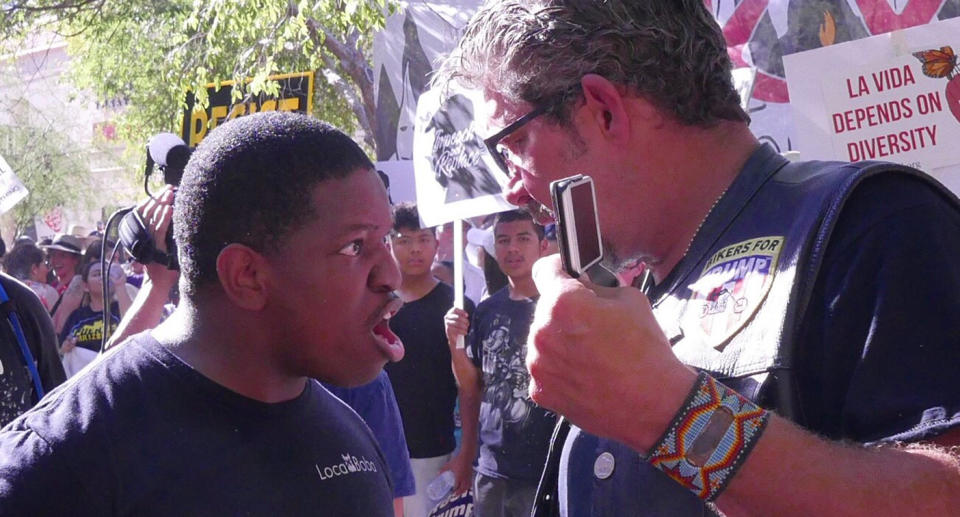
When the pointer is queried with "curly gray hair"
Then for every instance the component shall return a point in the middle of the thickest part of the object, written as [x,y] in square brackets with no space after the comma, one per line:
[671,52]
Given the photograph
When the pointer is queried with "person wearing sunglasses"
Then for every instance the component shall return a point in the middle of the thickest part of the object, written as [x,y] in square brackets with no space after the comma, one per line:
[797,307]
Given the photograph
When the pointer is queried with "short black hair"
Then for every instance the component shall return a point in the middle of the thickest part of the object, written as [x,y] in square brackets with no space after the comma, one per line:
[251,182]
[518,215]
[86,267]
[21,259]
[406,217]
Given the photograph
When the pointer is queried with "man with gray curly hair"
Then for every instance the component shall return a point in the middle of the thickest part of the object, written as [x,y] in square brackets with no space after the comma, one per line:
[774,351]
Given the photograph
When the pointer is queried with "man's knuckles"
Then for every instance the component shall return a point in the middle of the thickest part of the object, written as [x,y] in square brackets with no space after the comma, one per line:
[567,311]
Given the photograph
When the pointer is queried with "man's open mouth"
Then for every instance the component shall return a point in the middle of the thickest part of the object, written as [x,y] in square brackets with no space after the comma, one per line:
[389,342]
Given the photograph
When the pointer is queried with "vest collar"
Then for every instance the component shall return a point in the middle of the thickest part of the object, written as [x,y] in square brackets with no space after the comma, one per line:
[758,169]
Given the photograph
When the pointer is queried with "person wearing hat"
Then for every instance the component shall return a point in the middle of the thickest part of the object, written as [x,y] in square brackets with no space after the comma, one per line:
[64,256]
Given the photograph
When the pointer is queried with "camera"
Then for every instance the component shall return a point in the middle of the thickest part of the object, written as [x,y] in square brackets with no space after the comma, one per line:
[170,154]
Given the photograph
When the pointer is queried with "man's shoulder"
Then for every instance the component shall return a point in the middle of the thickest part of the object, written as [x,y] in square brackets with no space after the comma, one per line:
[71,426]
[902,187]
[897,199]
[441,297]
[38,476]
[495,301]
[442,290]
[500,302]
[82,403]
[21,294]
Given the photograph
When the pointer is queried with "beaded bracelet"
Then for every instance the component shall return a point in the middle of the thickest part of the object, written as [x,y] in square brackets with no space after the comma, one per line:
[709,438]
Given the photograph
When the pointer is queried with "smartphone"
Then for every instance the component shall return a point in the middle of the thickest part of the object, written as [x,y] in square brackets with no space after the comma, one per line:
[578,230]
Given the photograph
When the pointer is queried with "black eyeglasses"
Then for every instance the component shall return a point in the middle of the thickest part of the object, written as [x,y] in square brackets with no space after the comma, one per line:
[493,142]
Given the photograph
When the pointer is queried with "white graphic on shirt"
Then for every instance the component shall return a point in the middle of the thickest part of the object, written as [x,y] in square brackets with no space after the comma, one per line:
[350,465]
[505,374]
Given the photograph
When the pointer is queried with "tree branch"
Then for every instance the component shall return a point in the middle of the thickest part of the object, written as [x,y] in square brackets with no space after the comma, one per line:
[354,65]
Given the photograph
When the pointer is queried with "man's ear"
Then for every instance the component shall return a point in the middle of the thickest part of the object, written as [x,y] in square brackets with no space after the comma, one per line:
[243,273]
[611,106]
[605,105]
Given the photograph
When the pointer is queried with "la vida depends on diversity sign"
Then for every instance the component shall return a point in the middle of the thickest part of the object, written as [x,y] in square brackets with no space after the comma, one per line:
[892,97]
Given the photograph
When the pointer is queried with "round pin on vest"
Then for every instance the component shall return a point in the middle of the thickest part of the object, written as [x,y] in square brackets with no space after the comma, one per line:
[604,465]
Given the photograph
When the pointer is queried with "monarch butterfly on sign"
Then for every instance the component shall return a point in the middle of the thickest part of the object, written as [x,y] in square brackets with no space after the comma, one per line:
[937,63]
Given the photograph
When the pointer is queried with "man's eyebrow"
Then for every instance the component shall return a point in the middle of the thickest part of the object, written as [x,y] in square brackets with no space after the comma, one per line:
[518,234]
[359,227]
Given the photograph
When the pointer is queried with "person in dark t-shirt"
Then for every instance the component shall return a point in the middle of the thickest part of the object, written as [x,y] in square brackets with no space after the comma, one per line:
[514,431]
[423,381]
[280,224]
[82,334]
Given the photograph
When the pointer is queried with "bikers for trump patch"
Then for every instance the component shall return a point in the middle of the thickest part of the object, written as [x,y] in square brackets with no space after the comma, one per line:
[731,287]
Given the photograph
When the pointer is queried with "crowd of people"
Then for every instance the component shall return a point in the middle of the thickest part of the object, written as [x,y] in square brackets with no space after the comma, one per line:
[786,354]
[65,275]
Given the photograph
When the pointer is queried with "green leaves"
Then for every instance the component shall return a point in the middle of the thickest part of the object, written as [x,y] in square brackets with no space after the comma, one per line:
[50,164]
[153,52]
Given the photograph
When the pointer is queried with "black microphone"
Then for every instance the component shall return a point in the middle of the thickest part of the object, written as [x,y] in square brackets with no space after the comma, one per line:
[170,153]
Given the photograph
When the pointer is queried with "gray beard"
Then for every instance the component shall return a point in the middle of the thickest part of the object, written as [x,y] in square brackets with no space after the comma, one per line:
[613,261]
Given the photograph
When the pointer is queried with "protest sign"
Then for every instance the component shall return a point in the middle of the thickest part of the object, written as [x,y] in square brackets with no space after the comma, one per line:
[296,94]
[455,176]
[400,184]
[12,190]
[892,97]
[51,224]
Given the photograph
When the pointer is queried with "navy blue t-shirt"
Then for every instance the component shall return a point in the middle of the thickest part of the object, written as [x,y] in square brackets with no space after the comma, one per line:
[87,325]
[377,406]
[142,433]
[877,356]
[514,431]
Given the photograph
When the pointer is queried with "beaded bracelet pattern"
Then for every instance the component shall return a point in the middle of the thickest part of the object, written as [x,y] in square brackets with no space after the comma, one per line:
[709,438]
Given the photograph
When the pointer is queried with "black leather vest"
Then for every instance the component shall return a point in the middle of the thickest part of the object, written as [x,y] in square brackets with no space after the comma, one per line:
[731,307]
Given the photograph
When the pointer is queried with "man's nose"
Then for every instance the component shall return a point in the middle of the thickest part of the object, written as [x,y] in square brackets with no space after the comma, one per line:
[385,276]
[515,193]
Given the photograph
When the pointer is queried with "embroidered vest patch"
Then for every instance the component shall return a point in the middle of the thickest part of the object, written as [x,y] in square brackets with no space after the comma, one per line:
[730,289]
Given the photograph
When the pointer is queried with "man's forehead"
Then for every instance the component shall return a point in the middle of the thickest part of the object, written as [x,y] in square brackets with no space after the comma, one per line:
[357,202]
[496,112]
[517,227]
[413,232]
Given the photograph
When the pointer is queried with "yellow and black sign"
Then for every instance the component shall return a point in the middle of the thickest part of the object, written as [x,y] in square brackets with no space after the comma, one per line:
[296,94]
